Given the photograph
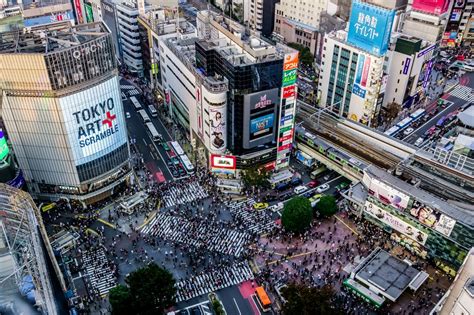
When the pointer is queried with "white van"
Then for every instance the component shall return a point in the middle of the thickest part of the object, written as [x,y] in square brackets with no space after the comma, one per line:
[300,189]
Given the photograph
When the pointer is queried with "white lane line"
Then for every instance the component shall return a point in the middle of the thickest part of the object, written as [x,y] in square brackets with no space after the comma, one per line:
[235,302]
[145,142]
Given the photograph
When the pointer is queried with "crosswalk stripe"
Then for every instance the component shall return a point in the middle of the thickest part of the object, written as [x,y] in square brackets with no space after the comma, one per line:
[98,272]
[463,92]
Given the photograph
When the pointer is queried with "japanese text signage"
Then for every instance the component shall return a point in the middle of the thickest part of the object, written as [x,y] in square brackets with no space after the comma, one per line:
[370,27]
[436,7]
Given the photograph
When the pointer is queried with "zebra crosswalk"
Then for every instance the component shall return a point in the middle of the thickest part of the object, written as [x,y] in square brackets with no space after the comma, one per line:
[463,92]
[184,194]
[133,92]
[127,87]
[211,281]
[197,234]
[258,222]
[99,273]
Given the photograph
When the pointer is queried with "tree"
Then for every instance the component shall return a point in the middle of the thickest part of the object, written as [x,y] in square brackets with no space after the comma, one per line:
[297,215]
[304,300]
[255,177]
[327,205]
[306,56]
[392,111]
[152,290]
[120,300]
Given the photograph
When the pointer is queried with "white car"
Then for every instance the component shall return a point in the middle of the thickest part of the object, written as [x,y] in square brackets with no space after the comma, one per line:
[419,141]
[277,207]
[127,115]
[408,131]
[322,188]
[300,189]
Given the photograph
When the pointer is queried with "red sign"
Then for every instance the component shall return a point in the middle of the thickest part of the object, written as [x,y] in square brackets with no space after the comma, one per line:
[285,138]
[223,161]
[436,7]
[289,91]
[270,166]
[77,4]
[285,147]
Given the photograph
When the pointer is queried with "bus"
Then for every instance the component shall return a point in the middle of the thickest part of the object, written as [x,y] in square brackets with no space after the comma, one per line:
[392,131]
[188,166]
[135,103]
[417,114]
[144,116]
[177,148]
[154,134]
[263,299]
[314,174]
[364,293]
[404,123]
[153,111]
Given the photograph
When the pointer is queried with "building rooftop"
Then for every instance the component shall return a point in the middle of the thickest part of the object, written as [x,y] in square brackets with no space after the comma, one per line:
[32,4]
[467,117]
[387,273]
[423,196]
[50,38]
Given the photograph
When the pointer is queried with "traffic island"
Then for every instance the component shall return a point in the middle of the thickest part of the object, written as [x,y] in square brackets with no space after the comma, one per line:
[216,304]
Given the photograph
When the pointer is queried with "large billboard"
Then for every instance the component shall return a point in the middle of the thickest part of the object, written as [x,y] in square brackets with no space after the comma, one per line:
[260,110]
[395,223]
[360,85]
[227,162]
[436,7]
[386,194]
[94,121]
[217,123]
[370,27]
[3,146]
[48,19]
[432,218]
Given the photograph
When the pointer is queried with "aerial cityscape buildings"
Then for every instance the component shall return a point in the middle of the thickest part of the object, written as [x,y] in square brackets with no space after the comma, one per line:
[236,157]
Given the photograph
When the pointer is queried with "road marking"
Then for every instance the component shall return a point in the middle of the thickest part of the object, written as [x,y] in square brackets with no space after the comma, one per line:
[145,141]
[235,302]
[166,165]
[107,223]
[340,220]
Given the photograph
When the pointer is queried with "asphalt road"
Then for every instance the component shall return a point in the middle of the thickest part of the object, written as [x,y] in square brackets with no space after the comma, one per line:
[466,80]
[154,156]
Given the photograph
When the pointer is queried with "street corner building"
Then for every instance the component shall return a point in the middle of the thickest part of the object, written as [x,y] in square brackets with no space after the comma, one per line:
[62,111]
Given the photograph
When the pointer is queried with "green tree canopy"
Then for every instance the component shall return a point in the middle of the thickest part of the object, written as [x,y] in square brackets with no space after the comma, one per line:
[327,205]
[120,300]
[309,300]
[255,177]
[151,290]
[306,56]
[297,215]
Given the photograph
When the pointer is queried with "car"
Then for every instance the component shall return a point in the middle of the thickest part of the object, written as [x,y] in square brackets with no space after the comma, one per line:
[276,207]
[169,163]
[286,195]
[165,146]
[296,181]
[419,141]
[181,172]
[260,205]
[174,172]
[322,188]
[281,186]
[300,189]
[127,115]
[327,177]
[308,194]
[342,185]
[270,197]
[313,184]
[408,131]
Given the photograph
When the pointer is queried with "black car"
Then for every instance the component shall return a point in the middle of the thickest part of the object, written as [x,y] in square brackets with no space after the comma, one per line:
[270,197]
[285,195]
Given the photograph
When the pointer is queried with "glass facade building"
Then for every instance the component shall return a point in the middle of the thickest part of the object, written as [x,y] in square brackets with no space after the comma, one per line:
[63,112]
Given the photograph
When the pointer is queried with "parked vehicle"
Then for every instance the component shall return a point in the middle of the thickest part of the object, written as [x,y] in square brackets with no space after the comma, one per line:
[322,188]
[300,189]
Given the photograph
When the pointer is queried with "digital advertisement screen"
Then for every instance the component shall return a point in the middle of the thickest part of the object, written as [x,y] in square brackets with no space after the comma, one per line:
[3,146]
[261,126]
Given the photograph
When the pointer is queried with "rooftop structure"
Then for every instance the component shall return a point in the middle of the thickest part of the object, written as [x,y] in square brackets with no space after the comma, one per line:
[387,275]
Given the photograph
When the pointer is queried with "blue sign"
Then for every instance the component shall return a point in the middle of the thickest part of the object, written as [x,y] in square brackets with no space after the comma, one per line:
[370,27]
[261,124]
[48,19]
[357,90]
[407,65]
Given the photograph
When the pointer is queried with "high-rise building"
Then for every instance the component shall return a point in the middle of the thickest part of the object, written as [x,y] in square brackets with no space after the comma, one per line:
[224,87]
[459,27]
[299,22]
[261,16]
[129,37]
[63,112]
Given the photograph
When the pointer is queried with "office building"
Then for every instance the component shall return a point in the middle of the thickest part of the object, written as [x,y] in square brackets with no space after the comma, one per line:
[261,16]
[350,80]
[129,37]
[457,23]
[299,22]
[63,113]
[224,87]
[409,64]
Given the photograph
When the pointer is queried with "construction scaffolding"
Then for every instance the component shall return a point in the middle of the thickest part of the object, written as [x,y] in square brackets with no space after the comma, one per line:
[23,248]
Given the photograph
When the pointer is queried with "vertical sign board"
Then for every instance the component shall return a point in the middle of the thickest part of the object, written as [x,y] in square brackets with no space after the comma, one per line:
[78,8]
[89,12]
[287,109]
[370,27]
